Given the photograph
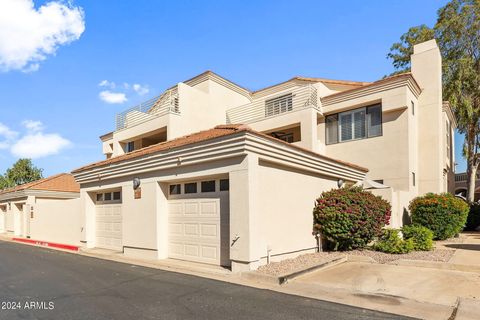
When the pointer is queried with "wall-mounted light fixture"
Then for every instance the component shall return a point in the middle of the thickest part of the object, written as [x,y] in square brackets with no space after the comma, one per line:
[136,183]
[340,183]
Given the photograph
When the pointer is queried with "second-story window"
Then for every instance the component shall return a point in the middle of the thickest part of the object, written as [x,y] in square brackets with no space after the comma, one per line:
[355,124]
[278,105]
[130,146]
[449,139]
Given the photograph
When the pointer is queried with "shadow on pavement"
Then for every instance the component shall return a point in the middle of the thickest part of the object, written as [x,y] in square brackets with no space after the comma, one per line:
[474,247]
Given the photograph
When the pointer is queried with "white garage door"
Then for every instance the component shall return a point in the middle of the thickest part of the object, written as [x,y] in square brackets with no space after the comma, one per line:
[194,230]
[109,226]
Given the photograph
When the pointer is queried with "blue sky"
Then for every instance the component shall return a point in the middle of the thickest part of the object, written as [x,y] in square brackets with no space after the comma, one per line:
[56,110]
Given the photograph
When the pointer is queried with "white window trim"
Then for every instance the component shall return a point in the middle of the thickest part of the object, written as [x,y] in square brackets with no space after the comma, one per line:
[352,123]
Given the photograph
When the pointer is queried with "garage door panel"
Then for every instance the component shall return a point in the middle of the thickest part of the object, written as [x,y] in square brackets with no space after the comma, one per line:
[209,230]
[194,232]
[209,208]
[109,227]
[191,208]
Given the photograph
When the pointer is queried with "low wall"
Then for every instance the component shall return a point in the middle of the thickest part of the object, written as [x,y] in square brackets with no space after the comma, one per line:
[56,221]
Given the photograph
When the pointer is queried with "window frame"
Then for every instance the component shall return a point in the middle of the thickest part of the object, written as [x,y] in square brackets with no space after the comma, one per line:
[185,191]
[100,197]
[127,146]
[172,188]
[204,183]
[338,116]
[222,187]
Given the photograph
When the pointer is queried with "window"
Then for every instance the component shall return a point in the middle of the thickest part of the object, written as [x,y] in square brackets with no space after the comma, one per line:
[224,184]
[130,146]
[191,187]
[413,107]
[109,197]
[175,189]
[278,105]
[332,129]
[449,139]
[353,125]
[288,137]
[374,121]
[208,186]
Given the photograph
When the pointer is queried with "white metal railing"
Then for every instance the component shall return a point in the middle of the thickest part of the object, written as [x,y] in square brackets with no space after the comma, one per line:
[461,177]
[267,107]
[167,102]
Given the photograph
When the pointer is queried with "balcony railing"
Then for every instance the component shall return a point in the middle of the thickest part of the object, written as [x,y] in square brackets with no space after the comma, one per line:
[155,107]
[297,99]
[462,177]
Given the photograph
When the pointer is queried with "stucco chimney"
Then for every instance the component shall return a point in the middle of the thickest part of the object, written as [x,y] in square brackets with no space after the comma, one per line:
[426,64]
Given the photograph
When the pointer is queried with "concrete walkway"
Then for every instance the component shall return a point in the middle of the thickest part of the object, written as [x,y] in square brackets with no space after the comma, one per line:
[454,287]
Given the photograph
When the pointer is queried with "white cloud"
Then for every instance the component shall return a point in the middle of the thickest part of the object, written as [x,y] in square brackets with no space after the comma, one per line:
[28,35]
[113,97]
[32,125]
[108,84]
[141,90]
[6,132]
[38,145]
[6,136]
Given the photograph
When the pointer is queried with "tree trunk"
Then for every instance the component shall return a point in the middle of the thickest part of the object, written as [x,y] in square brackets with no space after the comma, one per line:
[472,164]
[471,178]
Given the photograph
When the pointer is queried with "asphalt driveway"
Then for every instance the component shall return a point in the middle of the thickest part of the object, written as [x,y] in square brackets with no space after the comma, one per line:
[38,283]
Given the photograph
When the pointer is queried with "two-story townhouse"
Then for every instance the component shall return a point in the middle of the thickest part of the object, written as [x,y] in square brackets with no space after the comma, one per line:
[242,193]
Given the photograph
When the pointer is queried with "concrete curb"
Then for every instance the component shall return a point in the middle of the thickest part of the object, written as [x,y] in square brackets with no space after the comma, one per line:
[47,244]
[284,278]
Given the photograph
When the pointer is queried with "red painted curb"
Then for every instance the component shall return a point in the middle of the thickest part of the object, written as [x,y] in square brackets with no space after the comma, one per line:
[47,244]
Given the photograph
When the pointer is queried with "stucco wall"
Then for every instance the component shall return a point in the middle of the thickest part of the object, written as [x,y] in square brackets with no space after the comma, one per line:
[285,209]
[56,221]
[386,156]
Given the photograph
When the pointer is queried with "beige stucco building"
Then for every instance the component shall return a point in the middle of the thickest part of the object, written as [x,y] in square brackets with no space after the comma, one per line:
[212,172]
[47,209]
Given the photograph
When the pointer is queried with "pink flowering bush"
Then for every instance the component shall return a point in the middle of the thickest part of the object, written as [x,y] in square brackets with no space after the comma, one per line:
[349,218]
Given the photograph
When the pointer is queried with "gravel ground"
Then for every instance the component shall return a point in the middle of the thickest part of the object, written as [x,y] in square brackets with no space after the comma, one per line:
[303,261]
[440,255]
[312,259]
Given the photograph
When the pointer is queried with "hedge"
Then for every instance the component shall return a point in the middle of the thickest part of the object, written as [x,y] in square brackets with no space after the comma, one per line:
[350,218]
[444,214]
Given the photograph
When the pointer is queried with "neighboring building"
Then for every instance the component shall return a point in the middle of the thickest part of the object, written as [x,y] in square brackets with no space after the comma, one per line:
[20,206]
[244,191]
[461,185]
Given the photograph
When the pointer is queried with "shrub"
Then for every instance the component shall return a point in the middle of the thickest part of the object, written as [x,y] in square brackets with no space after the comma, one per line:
[444,214]
[422,237]
[390,242]
[473,219]
[349,218]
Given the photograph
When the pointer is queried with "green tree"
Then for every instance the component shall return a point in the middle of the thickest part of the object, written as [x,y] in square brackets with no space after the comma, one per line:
[22,171]
[457,32]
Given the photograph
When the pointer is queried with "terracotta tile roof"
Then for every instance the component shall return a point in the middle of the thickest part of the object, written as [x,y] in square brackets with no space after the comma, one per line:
[218,131]
[386,79]
[310,79]
[63,182]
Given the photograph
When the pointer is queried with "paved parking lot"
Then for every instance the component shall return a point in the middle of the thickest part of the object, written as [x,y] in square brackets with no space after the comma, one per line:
[38,283]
